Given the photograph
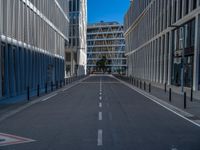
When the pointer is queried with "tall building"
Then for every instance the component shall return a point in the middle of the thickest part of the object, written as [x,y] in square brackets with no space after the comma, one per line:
[32,44]
[76,55]
[163,41]
[105,39]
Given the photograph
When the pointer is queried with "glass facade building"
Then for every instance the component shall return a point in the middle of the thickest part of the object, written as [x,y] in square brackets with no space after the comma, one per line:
[162,41]
[76,56]
[33,34]
[106,39]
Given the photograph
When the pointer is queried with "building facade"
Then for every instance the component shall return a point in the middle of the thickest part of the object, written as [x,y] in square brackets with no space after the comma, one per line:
[162,41]
[76,55]
[32,44]
[105,39]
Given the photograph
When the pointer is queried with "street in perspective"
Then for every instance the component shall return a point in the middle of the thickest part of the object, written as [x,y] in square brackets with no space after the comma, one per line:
[99,75]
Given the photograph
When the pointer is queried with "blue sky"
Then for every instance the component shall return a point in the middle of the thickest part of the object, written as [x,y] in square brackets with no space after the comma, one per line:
[107,10]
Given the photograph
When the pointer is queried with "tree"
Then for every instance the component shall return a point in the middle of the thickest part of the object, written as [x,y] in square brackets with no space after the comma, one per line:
[101,64]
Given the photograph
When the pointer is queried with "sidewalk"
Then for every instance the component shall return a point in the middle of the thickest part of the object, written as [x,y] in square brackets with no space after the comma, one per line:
[9,107]
[177,98]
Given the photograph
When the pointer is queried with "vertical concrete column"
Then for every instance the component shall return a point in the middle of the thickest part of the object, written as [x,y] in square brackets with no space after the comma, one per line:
[158,60]
[170,58]
[196,54]
[190,5]
[183,7]
[0,73]
[154,60]
[177,9]
[148,63]
[151,60]
[165,60]
[1,31]
[161,60]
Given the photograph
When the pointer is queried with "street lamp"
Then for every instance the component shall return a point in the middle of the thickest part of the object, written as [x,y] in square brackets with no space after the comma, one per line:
[182,35]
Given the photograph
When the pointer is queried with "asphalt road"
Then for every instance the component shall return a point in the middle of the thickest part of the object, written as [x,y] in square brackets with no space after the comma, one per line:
[100,113]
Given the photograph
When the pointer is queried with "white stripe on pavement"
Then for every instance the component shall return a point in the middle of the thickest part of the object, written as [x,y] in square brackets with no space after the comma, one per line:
[100,105]
[100,116]
[160,102]
[100,137]
[49,97]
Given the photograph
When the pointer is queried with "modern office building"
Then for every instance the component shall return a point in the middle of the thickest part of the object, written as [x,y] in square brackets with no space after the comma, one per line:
[106,39]
[76,55]
[32,38]
[163,41]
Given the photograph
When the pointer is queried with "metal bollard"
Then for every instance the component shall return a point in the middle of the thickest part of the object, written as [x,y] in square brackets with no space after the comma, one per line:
[185,100]
[145,86]
[170,94]
[191,95]
[28,93]
[165,87]
[38,90]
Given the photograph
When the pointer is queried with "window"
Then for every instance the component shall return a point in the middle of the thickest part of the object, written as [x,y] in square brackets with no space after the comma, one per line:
[187,6]
[194,6]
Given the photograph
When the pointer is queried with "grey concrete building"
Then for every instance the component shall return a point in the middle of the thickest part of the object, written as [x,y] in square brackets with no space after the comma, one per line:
[162,41]
[106,39]
[76,55]
[32,44]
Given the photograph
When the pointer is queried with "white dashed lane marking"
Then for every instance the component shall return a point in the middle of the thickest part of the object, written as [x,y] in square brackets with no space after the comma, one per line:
[100,137]
[100,105]
[100,116]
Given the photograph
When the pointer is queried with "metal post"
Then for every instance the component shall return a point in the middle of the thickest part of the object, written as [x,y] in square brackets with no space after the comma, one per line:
[38,90]
[149,87]
[165,87]
[185,100]
[145,86]
[191,95]
[170,94]
[28,93]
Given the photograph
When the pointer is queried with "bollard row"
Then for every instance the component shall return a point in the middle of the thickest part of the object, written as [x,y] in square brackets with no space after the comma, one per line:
[143,85]
[53,85]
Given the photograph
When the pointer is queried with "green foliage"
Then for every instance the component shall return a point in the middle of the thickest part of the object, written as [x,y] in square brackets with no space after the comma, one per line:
[101,64]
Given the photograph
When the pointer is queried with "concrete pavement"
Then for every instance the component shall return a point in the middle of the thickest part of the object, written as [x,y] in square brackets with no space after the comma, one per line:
[104,114]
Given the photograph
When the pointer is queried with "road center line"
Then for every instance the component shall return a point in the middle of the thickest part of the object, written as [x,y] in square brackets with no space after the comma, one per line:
[49,97]
[100,137]
[100,105]
[100,116]
[100,97]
